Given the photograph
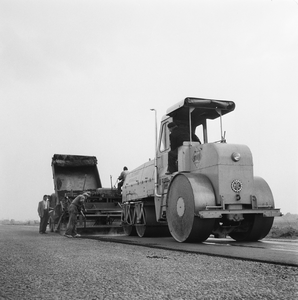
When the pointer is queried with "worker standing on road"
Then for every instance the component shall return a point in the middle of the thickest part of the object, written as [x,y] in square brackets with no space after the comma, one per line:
[43,212]
[121,179]
[76,206]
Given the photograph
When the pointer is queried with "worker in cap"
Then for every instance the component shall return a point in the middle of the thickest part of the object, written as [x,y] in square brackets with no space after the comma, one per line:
[76,207]
[121,179]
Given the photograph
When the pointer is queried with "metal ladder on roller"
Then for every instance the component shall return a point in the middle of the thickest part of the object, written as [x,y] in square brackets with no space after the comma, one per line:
[164,191]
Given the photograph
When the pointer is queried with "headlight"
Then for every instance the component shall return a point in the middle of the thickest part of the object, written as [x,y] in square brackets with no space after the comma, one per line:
[236,156]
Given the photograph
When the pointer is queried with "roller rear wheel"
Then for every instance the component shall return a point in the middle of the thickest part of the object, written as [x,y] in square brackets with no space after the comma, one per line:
[149,227]
[257,228]
[188,194]
[51,225]
[129,230]
[128,220]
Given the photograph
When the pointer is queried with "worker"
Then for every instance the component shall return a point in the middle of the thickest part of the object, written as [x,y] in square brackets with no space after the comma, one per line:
[178,135]
[43,212]
[121,178]
[75,207]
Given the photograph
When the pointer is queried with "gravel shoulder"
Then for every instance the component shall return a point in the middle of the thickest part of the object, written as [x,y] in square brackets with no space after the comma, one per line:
[50,266]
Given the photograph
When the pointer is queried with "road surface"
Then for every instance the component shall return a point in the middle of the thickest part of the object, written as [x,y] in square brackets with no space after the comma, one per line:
[283,252]
[51,266]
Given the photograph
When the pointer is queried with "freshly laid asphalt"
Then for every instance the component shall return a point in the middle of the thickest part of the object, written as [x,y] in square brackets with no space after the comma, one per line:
[283,252]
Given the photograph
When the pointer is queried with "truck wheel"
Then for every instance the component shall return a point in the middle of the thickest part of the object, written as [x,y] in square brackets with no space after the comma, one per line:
[258,227]
[149,227]
[188,194]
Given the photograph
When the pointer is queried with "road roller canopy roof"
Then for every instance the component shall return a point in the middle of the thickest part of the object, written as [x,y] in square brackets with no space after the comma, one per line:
[202,109]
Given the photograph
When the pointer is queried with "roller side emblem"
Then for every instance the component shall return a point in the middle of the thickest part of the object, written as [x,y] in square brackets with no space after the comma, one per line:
[236,185]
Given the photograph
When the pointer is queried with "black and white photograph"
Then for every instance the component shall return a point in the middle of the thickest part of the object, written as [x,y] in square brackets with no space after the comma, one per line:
[148,149]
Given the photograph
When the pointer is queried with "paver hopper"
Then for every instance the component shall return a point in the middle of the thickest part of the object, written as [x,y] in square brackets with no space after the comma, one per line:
[73,175]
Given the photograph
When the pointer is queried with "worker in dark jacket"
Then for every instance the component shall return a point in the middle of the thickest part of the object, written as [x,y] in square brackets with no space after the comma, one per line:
[178,135]
[121,179]
[43,212]
[76,206]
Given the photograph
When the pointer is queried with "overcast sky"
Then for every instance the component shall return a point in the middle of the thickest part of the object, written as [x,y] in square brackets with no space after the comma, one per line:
[80,77]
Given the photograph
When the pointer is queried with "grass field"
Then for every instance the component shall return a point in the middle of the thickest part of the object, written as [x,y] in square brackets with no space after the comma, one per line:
[285,227]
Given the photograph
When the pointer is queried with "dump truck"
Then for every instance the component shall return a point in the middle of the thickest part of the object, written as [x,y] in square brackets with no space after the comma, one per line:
[73,175]
[213,190]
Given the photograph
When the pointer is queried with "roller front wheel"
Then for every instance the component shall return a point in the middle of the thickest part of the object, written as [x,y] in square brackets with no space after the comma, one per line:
[188,194]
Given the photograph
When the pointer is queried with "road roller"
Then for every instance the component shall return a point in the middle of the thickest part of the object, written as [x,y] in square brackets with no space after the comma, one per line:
[197,188]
